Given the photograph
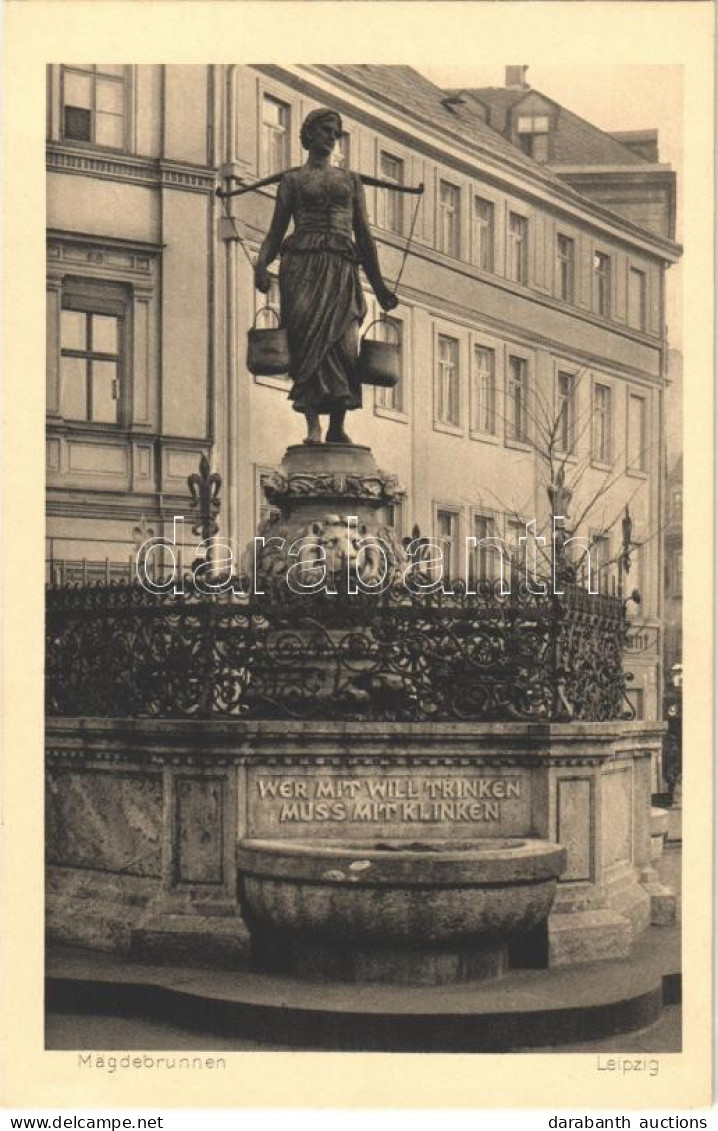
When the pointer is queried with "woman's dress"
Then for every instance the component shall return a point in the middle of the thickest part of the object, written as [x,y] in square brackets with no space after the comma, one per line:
[321,296]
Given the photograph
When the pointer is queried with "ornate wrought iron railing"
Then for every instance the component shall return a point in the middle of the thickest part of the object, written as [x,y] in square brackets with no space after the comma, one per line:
[116,650]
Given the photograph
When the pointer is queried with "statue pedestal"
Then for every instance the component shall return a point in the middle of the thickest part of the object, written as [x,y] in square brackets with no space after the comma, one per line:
[330,519]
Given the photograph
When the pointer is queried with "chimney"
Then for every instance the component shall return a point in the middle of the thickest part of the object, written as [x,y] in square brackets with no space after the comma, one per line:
[516,78]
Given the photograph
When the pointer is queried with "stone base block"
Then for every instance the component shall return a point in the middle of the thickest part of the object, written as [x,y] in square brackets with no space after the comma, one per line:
[587,936]
[186,940]
[96,909]
[101,926]
[624,894]
[316,961]
[664,904]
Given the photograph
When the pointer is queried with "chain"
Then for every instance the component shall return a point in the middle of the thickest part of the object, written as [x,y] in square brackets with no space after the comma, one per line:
[408,244]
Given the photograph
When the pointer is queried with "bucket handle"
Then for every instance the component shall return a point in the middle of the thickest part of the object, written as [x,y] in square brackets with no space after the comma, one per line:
[262,310]
[387,322]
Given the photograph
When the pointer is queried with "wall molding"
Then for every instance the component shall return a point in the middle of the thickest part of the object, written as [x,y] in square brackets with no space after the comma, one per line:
[147,171]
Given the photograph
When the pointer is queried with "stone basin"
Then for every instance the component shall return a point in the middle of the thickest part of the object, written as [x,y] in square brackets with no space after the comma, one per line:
[426,913]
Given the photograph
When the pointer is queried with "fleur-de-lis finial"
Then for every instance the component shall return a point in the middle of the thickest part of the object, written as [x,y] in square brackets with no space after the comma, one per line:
[204,488]
[142,532]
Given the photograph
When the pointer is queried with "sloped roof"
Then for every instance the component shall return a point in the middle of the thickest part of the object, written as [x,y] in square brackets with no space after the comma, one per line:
[417,99]
[415,96]
[576,141]
[498,101]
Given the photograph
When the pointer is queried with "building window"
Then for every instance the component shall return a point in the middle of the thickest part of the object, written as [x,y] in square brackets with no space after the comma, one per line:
[515,530]
[601,559]
[565,262]
[517,397]
[483,243]
[447,530]
[532,133]
[637,433]
[341,155]
[566,397]
[449,219]
[483,391]
[677,503]
[448,405]
[636,299]
[390,330]
[488,551]
[677,573]
[602,284]
[94,104]
[389,210]
[518,248]
[602,423]
[274,136]
[91,358]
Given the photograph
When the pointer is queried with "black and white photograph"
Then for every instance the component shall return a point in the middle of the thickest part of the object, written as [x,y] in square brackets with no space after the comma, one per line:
[363,563]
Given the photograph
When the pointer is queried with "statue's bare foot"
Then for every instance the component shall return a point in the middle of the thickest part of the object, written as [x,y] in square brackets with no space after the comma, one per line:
[337,436]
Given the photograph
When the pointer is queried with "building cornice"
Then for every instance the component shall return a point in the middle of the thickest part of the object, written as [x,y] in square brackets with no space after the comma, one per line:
[138,247]
[147,171]
[476,158]
[627,172]
[79,503]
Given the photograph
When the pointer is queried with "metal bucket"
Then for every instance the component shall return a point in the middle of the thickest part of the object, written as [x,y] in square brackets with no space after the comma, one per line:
[267,349]
[380,362]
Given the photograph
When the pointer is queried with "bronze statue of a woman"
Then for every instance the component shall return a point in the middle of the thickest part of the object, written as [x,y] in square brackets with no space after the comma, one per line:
[322,304]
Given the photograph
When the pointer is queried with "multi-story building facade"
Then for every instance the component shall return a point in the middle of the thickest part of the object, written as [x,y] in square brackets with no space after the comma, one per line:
[526,308]
[131,249]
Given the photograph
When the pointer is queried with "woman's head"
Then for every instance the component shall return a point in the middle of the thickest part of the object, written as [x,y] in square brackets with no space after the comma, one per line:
[315,119]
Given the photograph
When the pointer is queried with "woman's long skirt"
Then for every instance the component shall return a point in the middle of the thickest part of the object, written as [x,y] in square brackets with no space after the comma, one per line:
[322,308]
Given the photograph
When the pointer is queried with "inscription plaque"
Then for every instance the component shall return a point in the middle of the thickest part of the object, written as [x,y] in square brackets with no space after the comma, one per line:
[401,802]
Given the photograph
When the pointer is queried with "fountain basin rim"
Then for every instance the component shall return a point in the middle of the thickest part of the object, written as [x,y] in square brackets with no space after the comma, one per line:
[483,862]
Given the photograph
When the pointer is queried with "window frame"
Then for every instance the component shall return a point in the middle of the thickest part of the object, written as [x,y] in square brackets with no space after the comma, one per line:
[596,275]
[477,227]
[511,441]
[382,195]
[602,538]
[455,251]
[455,510]
[597,459]
[440,424]
[484,342]
[566,268]
[524,275]
[265,95]
[641,273]
[562,369]
[85,296]
[676,572]
[640,470]
[494,517]
[125,80]
[346,163]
